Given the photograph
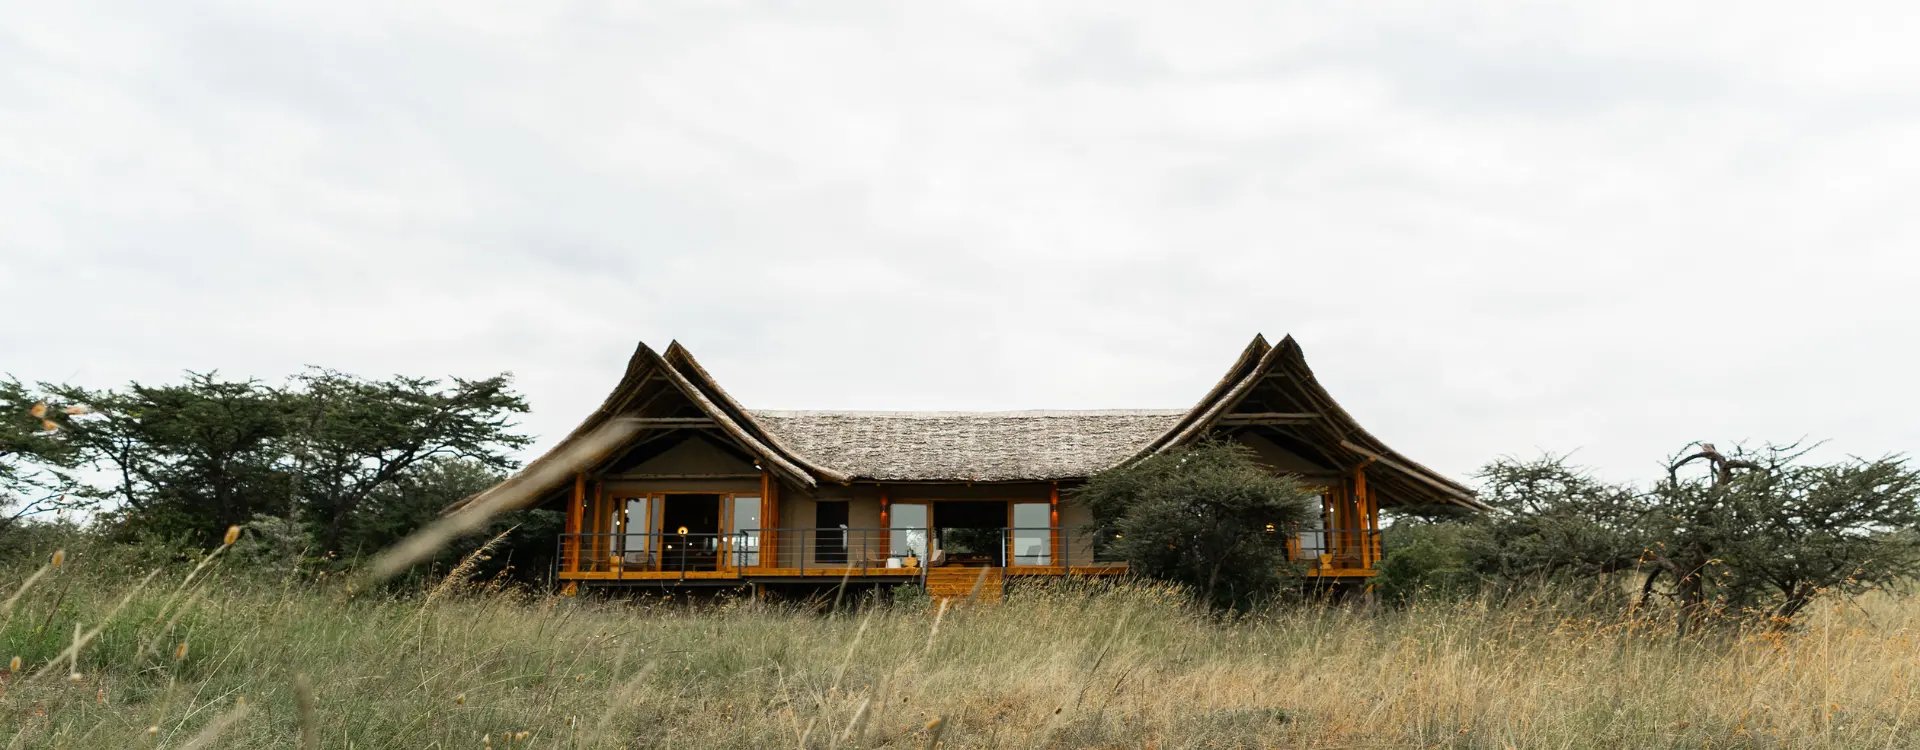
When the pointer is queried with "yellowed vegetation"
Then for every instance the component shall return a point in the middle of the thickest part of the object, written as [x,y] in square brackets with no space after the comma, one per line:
[1068,666]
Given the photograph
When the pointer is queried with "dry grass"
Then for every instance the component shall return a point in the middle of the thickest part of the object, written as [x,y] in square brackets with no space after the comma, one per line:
[1066,667]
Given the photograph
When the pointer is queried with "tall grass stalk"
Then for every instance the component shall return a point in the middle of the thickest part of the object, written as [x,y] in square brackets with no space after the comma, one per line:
[1077,665]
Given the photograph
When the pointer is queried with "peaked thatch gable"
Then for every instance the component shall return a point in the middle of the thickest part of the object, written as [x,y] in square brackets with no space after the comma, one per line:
[1269,389]
[1266,378]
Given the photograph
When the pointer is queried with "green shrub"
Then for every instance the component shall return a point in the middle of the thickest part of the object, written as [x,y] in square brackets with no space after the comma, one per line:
[1430,560]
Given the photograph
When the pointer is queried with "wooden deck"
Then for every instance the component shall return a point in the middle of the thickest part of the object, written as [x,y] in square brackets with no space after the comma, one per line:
[903,575]
[900,574]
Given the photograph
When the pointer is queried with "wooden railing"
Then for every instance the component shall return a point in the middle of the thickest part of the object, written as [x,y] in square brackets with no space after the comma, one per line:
[819,551]
[1326,550]
[900,552]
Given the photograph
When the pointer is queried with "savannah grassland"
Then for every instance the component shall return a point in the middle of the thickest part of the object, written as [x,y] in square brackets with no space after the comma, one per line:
[240,659]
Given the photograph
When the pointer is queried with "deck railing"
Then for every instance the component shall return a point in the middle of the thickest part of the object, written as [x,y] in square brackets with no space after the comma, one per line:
[647,552]
[898,551]
[817,551]
[804,549]
[1326,549]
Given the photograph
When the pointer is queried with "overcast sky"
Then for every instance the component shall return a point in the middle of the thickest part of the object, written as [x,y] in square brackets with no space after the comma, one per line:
[1607,229]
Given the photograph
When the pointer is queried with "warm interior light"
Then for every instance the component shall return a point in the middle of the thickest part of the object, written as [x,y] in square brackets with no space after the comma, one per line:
[683,531]
[1270,528]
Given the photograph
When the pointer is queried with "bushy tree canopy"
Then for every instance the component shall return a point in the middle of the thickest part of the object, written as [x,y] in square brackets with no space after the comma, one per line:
[353,460]
[1749,534]
[1209,517]
[36,458]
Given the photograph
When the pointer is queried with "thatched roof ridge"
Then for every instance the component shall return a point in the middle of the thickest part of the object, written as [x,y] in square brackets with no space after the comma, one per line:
[969,446]
[807,447]
[1246,365]
[779,461]
[1007,414]
[681,359]
[1358,440]
[1339,431]
[638,366]
[646,367]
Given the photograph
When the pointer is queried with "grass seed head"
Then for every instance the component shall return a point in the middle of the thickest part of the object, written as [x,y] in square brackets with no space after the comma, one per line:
[233,535]
[180,651]
[59,557]
[13,665]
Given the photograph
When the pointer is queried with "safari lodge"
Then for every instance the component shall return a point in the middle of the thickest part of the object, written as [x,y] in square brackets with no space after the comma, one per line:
[694,489]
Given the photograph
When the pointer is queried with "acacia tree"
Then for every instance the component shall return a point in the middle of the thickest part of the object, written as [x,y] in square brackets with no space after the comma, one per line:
[36,457]
[356,439]
[1202,516]
[327,451]
[1763,534]
[1549,522]
[1553,520]
[1747,534]
[185,461]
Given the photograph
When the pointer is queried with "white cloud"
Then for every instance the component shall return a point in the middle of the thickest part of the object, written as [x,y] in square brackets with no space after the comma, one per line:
[1604,227]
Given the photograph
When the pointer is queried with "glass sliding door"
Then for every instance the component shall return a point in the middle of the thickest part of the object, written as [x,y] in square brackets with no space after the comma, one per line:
[1032,534]
[638,524]
[744,534]
[1313,532]
[830,532]
[907,532]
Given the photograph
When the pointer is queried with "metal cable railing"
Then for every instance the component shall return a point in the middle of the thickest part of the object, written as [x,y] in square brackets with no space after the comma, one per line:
[811,551]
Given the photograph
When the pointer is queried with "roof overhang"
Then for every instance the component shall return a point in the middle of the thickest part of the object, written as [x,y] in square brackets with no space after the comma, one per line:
[649,378]
[655,390]
[1319,418]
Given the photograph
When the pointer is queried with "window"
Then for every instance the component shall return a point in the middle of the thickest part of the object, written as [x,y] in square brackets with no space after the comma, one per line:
[639,522]
[1313,534]
[908,530]
[745,531]
[1032,534]
[830,531]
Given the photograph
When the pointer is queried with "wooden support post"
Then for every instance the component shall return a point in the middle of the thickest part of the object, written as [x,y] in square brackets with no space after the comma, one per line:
[1057,545]
[598,499]
[769,520]
[1359,541]
[886,527]
[1373,526]
[570,552]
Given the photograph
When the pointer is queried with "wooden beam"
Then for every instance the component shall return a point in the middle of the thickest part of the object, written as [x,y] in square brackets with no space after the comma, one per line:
[1358,510]
[643,477]
[674,422]
[769,520]
[1452,493]
[886,520]
[1269,417]
[1057,547]
[570,552]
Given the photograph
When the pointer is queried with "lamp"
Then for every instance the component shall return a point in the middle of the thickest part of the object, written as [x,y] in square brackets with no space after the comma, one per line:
[1270,528]
[683,529]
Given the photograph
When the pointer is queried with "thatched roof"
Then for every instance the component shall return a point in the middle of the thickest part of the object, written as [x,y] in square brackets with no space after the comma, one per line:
[968,446]
[662,394]
[1278,377]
